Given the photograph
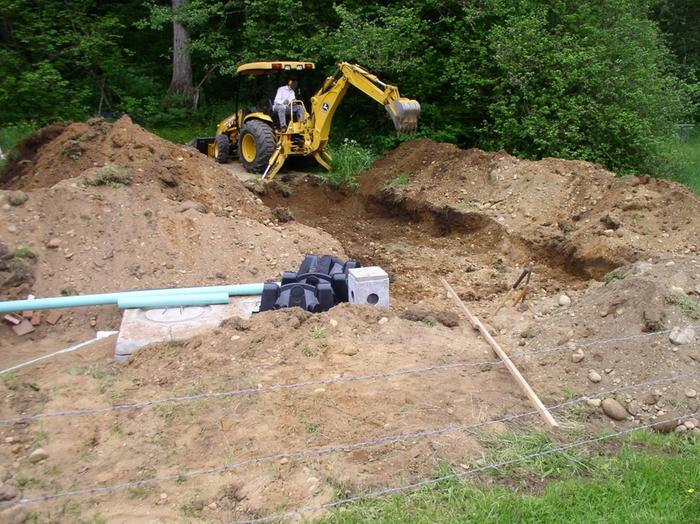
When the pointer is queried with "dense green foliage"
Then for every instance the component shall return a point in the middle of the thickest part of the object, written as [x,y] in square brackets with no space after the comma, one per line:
[655,479]
[590,80]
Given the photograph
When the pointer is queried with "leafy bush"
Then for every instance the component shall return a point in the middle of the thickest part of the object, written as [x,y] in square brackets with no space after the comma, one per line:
[349,159]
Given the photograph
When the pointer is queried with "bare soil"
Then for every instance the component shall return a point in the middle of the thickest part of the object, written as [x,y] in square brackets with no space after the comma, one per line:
[423,211]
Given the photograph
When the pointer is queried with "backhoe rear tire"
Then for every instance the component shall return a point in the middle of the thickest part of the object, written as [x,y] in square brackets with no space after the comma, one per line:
[256,145]
[222,147]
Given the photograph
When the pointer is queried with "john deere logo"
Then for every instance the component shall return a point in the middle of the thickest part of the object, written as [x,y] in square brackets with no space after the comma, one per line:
[325,107]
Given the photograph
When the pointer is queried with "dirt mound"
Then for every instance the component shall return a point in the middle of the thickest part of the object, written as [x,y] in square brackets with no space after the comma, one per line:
[643,301]
[427,210]
[26,149]
[103,207]
[272,348]
[291,346]
[577,212]
[80,150]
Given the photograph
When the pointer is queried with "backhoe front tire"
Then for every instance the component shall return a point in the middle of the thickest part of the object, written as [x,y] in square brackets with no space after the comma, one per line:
[222,147]
[256,145]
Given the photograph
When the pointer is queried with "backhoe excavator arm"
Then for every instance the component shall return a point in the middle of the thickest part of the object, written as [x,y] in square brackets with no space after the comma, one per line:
[403,111]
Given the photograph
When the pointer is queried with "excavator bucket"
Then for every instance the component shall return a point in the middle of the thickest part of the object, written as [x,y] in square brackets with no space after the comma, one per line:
[404,112]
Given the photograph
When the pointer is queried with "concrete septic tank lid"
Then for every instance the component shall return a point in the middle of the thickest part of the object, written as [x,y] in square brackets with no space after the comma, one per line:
[141,327]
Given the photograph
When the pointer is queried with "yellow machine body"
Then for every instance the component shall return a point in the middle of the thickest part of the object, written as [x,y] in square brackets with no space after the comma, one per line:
[260,143]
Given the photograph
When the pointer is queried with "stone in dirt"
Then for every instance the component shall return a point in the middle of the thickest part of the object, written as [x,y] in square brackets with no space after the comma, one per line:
[594,402]
[17,198]
[53,243]
[564,300]
[577,356]
[594,376]
[681,336]
[15,515]
[189,204]
[283,214]
[691,393]
[8,492]
[613,409]
[666,426]
[38,455]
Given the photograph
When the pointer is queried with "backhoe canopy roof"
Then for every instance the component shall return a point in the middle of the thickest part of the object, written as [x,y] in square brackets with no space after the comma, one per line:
[266,68]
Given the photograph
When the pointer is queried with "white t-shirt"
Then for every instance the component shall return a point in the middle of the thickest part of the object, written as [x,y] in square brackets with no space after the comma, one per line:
[284,93]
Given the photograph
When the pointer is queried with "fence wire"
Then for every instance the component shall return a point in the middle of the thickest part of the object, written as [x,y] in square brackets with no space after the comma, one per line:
[322,382]
[408,487]
[323,451]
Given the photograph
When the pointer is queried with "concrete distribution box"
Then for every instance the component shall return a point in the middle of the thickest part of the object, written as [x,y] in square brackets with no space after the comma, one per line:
[368,285]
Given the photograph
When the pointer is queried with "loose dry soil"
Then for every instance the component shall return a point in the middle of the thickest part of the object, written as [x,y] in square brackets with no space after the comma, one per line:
[110,206]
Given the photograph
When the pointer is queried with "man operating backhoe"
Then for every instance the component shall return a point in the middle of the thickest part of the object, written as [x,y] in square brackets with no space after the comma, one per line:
[283,103]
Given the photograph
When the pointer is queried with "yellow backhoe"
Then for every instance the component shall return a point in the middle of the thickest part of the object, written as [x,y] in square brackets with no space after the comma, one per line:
[263,146]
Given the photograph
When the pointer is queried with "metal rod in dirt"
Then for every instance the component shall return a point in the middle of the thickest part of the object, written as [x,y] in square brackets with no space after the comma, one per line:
[476,323]
[104,299]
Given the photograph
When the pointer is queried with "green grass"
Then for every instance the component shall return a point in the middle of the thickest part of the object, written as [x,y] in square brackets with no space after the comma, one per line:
[614,275]
[183,134]
[11,134]
[651,479]
[349,159]
[687,161]
[110,175]
[24,252]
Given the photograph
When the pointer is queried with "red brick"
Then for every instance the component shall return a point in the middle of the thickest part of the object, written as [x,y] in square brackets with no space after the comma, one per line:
[23,328]
[36,318]
[13,318]
[53,317]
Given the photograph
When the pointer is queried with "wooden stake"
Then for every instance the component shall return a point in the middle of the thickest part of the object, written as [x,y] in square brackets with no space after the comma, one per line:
[476,323]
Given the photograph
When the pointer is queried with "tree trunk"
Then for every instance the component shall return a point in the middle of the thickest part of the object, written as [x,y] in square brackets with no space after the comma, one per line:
[181,83]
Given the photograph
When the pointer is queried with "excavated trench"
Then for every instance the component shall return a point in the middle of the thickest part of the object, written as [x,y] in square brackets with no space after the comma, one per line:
[416,244]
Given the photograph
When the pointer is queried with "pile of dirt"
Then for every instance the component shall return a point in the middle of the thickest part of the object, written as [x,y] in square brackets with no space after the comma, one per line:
[291,346]
[108,207]
[656,304]
[577,212]
[91,151]
[281,347]
[423,211]
[426,210]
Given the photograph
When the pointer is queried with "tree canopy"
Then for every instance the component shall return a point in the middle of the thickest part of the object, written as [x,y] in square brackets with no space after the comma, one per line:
[607,81]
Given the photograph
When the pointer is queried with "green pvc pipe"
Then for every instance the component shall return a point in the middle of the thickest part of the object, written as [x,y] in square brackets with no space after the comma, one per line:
[104,299]
[203,299]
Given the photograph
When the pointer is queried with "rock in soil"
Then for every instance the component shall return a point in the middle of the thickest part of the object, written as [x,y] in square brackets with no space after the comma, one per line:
[17,198]
[283,214]
[666,426]
[691,393]
[681,336]
[594,376]
[577,356]
[15,515]
[38,455]
[613,409]
[8,492]
[189,204]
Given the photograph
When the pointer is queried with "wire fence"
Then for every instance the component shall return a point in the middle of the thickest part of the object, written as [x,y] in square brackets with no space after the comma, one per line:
[327,381]
[323,451]
[408,487]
